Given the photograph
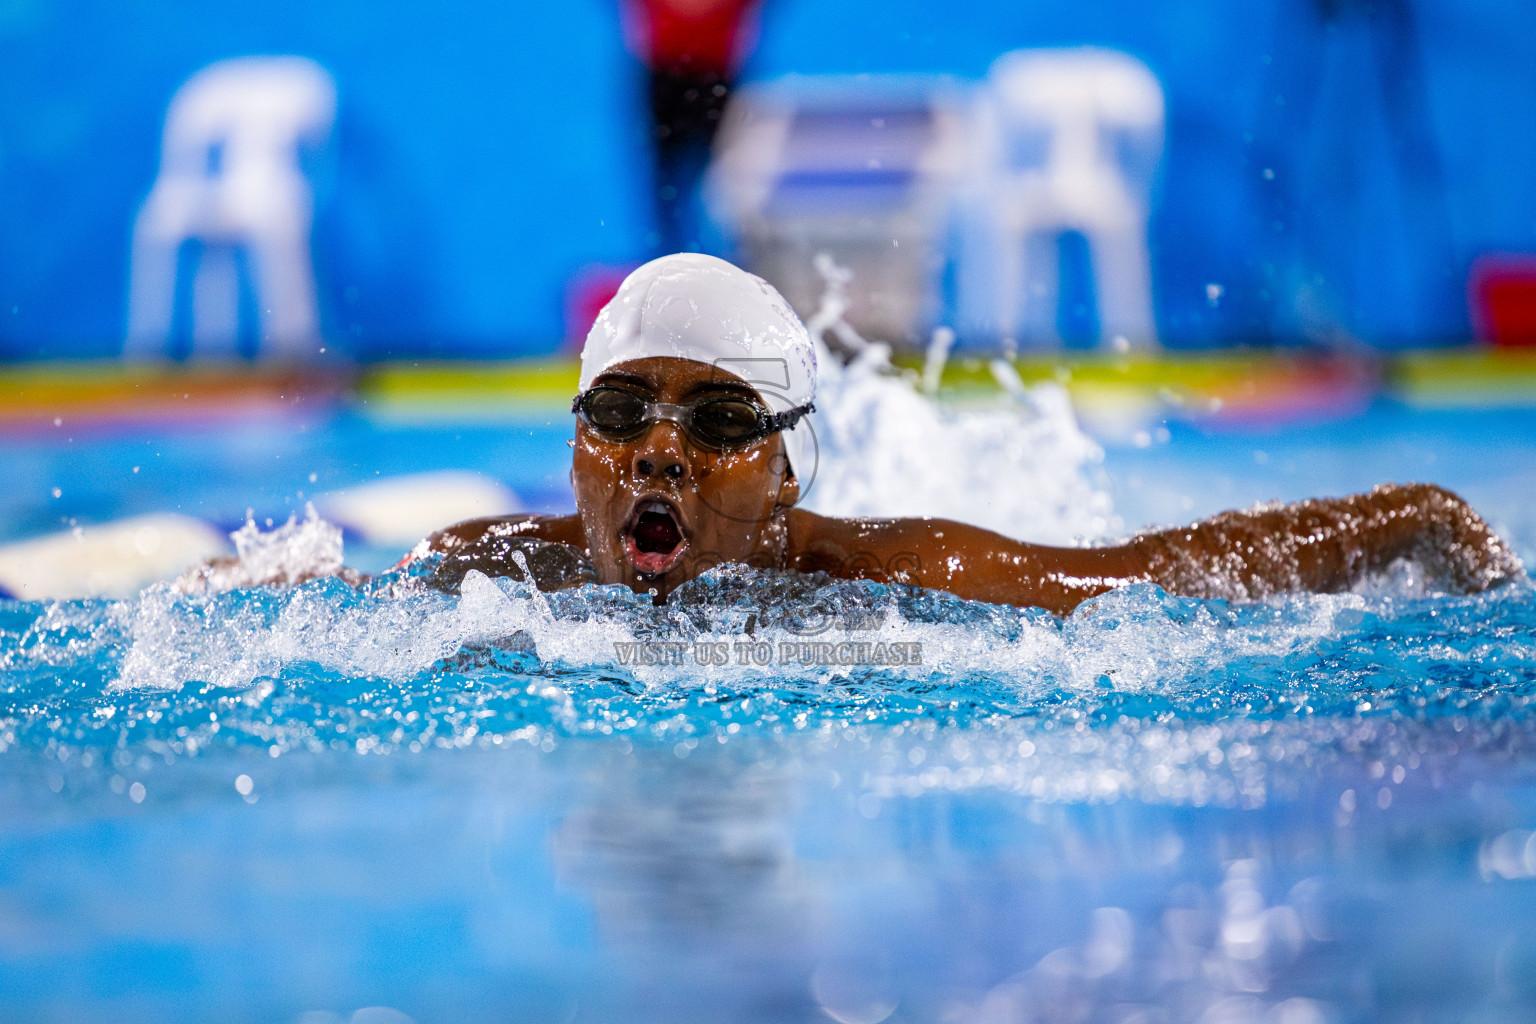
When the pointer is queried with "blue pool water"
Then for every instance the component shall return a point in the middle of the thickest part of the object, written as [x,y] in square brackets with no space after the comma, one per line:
[326,804]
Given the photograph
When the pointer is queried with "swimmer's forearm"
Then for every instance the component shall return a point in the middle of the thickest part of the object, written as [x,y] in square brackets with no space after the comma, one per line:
[1328,545]
[1321,545]
[964,560]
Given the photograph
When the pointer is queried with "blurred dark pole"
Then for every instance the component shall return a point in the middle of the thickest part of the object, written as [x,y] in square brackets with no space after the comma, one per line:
[692,51]
[1301,122]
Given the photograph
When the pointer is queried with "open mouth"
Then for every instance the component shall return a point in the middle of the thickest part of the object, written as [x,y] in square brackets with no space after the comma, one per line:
[653,538]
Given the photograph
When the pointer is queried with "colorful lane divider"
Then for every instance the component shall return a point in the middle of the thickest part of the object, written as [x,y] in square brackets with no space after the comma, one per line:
[1229,386]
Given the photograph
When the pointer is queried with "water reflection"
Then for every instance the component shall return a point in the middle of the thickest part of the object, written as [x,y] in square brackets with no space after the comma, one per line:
[675,851]
[737,890]
[690,866]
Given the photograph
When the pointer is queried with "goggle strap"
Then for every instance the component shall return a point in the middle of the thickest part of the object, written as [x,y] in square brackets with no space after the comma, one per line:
[787,419]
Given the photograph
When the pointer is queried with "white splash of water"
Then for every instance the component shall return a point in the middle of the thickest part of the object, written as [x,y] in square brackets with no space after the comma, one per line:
[233,640]
[1127,639]
[1023,467]
[299,550]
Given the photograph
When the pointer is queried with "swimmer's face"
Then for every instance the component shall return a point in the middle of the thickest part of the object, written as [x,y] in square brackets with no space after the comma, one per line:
[657,509]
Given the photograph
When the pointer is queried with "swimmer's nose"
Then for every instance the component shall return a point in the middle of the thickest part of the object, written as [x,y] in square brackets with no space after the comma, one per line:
[661,453]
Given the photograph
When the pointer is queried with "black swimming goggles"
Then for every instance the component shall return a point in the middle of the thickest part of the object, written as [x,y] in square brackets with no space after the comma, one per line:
[715,422]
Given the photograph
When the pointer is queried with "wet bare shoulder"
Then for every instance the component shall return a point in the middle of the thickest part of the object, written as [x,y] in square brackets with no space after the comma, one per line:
[822,543]
[549,547]
[554,529]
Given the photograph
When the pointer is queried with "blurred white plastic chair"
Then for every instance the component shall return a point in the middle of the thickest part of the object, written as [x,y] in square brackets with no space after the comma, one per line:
[859,170]
[1067,140]
[230,178]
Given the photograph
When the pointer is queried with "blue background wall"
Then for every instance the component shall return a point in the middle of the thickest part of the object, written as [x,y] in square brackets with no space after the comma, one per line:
[486,152]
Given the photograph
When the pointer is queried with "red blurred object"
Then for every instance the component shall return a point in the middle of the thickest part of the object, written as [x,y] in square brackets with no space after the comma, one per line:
[585,297]
[1503,300]
[689,36]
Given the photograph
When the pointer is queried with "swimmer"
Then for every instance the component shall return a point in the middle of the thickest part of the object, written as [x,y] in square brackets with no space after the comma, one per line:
[690,429]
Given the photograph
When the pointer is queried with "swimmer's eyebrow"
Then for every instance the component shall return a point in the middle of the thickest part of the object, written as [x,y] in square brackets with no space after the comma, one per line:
[744,390]
[621,377]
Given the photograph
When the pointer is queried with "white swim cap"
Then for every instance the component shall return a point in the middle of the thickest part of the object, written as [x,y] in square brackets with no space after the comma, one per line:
[692,306]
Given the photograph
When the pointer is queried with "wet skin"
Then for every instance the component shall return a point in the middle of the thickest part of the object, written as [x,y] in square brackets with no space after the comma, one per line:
[658,510]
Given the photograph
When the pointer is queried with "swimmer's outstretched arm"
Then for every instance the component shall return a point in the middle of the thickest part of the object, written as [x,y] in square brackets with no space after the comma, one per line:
[1319,545]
